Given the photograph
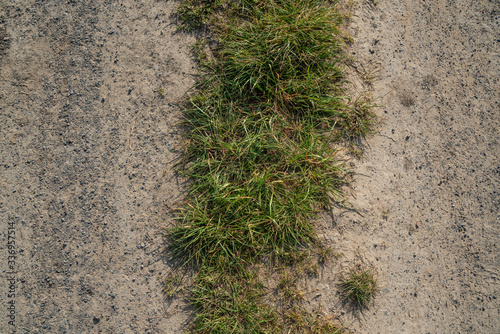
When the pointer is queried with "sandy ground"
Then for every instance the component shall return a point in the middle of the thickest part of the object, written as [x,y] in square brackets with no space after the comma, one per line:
[87,154]
[428,186]
[86,161]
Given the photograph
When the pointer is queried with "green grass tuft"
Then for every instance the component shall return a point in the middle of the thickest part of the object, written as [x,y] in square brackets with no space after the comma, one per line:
[231,304]
[360,287]
[299,321]
[261,133]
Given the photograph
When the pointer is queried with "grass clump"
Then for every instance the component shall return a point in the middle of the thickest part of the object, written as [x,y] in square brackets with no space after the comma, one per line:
[287,286]
[171,285]
[288,58]
[231,303]
[199,14]
[261,158]
[262,187]
[360,287]
[300,321]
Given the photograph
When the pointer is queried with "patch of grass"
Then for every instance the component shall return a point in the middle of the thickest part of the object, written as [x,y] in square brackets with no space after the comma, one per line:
[324,253]
[203,14]
[161,92]
[288,58]
[261,133]
[231,303]
[301,322]
[358,122]
[194,14]
[199,52]
[287,286]
[257,180]
[360,286]
[171,285]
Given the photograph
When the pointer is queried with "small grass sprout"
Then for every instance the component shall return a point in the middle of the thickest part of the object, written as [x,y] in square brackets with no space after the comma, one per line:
[172,285]
[301,321]
[360,287]
[287,286]
[161,92]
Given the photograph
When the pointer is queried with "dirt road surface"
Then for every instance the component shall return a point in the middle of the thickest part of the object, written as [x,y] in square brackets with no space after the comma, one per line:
[88,93]
[428,186]
[86,159]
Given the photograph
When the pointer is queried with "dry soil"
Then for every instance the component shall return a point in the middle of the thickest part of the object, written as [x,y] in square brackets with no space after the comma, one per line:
[427,189]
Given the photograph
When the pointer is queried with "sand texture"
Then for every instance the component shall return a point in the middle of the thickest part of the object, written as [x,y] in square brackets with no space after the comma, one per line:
[427,189]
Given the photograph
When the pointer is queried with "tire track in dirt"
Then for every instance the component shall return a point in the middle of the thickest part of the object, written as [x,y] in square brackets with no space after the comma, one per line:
[86,161]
